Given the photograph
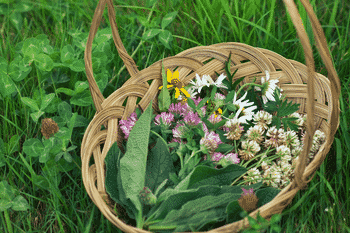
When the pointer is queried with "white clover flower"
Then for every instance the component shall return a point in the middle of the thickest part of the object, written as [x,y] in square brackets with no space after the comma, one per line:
[255,133]
[262,119]
[253,176]
[272,176]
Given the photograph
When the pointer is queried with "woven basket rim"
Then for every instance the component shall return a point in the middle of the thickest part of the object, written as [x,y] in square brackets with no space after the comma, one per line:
[137,86]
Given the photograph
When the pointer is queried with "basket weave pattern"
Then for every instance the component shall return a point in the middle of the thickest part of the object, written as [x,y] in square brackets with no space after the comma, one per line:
[299,83]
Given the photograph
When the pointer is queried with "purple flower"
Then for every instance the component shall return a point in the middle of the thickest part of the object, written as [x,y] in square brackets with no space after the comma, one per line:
[192,118]
[166,117]
[127,125]
[179,130]
[217,156]
[233,158]
[210,141]
[178,108]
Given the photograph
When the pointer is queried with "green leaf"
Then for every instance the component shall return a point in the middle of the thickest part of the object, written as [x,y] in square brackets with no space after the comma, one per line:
[196,212]
[7,192]
[80,86]
[17,20]
[133,164]
[191,103]
[165,37]
[67,54]
[36,115]
[159,165]
[30,50]
[224,148]
[77,65]
[288,122]
[18,70]
[203,175]
[164,96]
[65,91]
[83,99]
[40,181]
[7,86]
[168,19]
[265,195]
[67,157]
[20,204]
[150,33]
[43,62]
[33,147]
[47,100]
[23,7]
[65,111]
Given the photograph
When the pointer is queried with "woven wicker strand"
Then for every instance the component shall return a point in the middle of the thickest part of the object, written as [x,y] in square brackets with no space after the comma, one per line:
[322,109]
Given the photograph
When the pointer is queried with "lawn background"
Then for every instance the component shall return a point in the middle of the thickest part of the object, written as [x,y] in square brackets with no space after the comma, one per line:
[65,206]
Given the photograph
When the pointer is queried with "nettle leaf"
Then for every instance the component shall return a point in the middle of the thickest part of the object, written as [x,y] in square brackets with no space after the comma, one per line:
[133,164]
[165,37]
[168,19]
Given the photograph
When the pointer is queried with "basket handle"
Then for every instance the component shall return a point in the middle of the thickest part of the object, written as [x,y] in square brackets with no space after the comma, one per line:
[127,59]
[322,48]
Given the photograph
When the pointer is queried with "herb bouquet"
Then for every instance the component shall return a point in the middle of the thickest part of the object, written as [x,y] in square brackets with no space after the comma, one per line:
[213,156]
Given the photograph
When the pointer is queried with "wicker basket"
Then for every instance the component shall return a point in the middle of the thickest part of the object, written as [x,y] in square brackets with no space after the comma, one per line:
[323,114]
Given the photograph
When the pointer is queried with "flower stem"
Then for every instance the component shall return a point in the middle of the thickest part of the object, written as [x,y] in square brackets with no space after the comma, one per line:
[160,138]
[248,84]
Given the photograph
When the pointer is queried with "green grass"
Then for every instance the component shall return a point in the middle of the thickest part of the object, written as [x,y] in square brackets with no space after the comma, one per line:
[65,206]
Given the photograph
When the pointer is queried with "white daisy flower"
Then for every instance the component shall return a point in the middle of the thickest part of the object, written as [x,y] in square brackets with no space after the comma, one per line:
[269,89]
[247,113]
[218,81]
[200,83]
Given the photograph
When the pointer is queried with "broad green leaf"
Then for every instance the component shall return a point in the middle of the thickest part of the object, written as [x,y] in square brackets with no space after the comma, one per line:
[20,204]
[143,20]
[43,62]
[7,192]
[83,99]
[71,123]
[33,147]
[265,195]
[44,44]
[44,157]
[203,175]
[40,181]
[151,3]
[77,65]
[7,86]
[165,37]
[67,54]
[30,50]
[36,115]
[233,210]
[81,121]
[4,204]
[104,35]
[168,19]
[67,157]
[80,86]
[133,164]
[30,103]
[47,100]
[65,91]
[18,70]
[150,33]
[63,133]
[196,212]
[101,80]
[159,165]
[53,106]
[112,162]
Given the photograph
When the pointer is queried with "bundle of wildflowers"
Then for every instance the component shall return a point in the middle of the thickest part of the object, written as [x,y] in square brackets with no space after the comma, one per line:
[211,137]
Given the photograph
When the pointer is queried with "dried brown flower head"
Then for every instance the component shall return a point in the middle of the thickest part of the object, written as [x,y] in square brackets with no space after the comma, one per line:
[48,127]
[248,200]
